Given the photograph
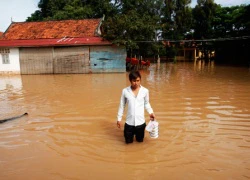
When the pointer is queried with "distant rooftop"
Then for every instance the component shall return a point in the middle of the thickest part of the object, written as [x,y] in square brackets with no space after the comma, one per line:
[52,29]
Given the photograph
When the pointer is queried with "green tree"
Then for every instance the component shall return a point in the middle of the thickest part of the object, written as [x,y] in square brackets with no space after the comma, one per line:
[203,15]
[222,22]
[168,20]
[177,19]
[231,21]
[139,24]
[183,16]
[136,25]
[73,9]
[241,21]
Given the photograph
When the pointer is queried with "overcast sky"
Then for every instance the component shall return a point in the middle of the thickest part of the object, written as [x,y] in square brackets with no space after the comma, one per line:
[19,10]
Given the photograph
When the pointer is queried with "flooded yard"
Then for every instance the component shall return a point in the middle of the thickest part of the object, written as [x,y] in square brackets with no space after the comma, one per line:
[203,111]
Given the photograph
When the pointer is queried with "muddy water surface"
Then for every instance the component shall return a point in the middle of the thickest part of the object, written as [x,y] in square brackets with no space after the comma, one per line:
[71,133]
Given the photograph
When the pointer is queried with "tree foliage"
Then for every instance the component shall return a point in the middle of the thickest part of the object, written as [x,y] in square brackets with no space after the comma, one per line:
[137,22]
[72,9]
[203,15]
[134,23]
[231,21]
[176,21]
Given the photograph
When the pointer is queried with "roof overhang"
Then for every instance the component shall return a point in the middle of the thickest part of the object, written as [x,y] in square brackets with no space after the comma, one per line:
[54,42]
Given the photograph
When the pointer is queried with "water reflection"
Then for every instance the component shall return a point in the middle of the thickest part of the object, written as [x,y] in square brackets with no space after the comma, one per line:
[202,65]
[70,132]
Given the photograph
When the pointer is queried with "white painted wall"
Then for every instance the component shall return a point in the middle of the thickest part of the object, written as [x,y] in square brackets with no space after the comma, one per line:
[14,66]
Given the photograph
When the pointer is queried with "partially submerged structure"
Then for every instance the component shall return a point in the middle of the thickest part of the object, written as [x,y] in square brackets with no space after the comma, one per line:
[59,47]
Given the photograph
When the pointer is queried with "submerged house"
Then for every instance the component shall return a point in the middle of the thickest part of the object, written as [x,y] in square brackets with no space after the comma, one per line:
[187,54]
[59,47]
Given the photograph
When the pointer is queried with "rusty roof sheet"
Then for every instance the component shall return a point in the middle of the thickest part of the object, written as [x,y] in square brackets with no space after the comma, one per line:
[54,42]
[52,29]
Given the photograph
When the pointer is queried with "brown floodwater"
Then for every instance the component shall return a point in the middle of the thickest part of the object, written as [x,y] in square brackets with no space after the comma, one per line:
[203,110]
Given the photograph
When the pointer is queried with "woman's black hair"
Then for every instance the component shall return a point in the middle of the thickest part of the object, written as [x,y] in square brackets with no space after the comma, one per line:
[134,75]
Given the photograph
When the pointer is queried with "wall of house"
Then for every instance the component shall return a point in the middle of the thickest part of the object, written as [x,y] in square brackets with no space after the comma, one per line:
[71,60]
[65,60]
[14,66]
[107,59]
[36,60]
[186,54]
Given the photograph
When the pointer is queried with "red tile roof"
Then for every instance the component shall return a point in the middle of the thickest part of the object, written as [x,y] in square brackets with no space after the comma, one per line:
[52,29]
[1,33]
[54,42]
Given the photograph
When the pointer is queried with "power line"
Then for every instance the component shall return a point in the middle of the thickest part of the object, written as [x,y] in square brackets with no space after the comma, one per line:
[200,40]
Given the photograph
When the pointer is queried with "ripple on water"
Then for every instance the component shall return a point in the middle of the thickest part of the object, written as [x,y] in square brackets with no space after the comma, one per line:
[203,119]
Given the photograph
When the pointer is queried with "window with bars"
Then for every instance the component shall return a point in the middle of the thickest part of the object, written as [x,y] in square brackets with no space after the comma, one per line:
[5,55]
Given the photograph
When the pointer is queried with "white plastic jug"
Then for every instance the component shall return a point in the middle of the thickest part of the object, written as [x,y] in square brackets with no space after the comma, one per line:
[153,129]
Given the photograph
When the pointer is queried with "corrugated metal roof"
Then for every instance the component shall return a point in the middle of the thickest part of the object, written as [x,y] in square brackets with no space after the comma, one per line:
[54,42]
[52,29]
